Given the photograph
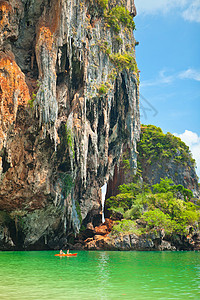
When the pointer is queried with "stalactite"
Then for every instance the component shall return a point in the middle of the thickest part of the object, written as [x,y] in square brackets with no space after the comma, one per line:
[77,88]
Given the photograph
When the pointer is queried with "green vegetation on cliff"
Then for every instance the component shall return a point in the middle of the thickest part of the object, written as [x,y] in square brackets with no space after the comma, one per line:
[122,53]
[118,16]
[154,144]
[144,211]
[124,61]
[103,3]
[165,155]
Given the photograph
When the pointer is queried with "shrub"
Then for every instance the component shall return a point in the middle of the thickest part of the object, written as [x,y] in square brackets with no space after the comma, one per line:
[103,89]
[31,101]
[119,40]
[124,61]
[127,196]
[167,185]
[125,227]
[119,15]
[104,47]
[69,138]
[164,186]
[162,209]
[116,213]
[123,200]
[103,3]
[135,212]
[157,220]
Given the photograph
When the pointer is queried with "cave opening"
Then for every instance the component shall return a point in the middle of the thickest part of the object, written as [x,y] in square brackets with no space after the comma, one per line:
[5,163]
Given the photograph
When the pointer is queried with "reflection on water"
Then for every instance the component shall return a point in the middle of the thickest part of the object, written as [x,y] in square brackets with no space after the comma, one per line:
[100,276]
[104,274]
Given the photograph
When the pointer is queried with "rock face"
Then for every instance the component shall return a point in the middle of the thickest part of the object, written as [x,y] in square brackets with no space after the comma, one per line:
[104,239]
[164,155]
[69,105]
[183,174]
[159,156]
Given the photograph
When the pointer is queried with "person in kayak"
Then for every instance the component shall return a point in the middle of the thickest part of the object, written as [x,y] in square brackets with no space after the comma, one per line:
[61,252]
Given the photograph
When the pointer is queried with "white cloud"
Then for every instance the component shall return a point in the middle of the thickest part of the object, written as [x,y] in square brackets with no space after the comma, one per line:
[158,6]
[192,13]
[163,78]
[190,74]
[189,137]
[193,141]
[188,9]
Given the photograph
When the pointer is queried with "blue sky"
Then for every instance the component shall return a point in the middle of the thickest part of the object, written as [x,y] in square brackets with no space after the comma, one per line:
[168,57]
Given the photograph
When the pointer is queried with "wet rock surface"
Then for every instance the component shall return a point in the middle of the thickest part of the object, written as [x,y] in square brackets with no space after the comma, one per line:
[156,241]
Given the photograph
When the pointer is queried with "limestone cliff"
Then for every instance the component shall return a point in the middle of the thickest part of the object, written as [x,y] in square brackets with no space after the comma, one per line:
[159,156]
[164,155]
[69,104]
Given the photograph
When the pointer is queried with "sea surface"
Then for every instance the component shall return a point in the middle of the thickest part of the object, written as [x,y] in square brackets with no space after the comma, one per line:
[39,275]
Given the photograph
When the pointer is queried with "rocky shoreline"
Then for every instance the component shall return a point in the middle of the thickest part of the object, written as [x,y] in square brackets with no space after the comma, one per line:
[101,238]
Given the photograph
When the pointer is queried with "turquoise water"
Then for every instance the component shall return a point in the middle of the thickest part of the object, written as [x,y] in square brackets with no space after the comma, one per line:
[99,275]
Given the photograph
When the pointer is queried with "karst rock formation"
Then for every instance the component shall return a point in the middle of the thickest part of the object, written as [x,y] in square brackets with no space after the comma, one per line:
[69,105]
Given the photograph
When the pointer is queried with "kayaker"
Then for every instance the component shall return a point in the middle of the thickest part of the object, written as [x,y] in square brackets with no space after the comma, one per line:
[61,252]
[68,251]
